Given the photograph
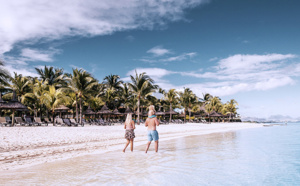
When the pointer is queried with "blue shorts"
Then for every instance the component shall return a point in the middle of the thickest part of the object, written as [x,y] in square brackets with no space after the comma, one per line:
[152,135]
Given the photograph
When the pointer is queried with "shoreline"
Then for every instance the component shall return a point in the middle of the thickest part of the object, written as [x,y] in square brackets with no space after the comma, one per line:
[22,147]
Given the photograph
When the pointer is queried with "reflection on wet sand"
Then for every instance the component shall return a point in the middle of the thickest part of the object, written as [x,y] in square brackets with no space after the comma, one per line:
[178,155]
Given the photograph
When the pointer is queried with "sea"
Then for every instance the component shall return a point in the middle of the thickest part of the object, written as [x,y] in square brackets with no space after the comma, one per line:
[260,156]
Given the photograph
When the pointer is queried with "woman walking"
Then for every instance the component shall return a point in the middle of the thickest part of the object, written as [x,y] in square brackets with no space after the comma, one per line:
[129,126]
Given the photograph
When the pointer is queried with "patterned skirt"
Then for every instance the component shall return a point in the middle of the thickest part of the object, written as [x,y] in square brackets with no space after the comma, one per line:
[129,134]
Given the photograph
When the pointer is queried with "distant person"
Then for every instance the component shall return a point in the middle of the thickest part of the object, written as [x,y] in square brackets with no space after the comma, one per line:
[151,123]
[129,132]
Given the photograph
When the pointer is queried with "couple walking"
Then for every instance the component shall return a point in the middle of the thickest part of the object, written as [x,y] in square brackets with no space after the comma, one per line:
[151,123]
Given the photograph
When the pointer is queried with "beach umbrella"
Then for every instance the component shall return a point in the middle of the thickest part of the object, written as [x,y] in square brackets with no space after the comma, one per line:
[104,110]
[61,109]
[128,111]
[13,105]
[89,111]
[172,112]
[116,112]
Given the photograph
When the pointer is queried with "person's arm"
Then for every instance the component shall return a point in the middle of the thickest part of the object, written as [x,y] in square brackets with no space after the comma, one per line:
[156,122]
[124,125]
[133,124]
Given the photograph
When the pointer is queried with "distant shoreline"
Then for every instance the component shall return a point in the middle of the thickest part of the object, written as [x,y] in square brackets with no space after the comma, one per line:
[27,146]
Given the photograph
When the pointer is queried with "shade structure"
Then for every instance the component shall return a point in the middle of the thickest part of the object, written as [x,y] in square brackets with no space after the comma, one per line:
[171,112]
[159,112]
[13,105]
[215,114]
[104,110]
[116,112]
[128,111]
[181,115]
[89,111]
[61,108]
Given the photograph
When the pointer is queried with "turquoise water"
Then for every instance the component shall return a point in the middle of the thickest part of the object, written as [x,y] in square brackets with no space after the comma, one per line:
[260,156]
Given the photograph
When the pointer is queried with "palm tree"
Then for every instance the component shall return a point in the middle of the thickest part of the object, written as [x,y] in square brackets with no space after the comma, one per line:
[113,82]
[142,85]
[52,76]
[53,98]
[172,97]
[81,83]
[21,85]
[4,75]
[230,107]
[188,99]
[213,104]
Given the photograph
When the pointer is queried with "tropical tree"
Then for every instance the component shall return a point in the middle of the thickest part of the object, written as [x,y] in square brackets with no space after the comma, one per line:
[213,104]
[52,76]
[53,98]
[21,85]
[230,107]
[188,100]
[113,82]
[172,98]
[142,85]
[81,83]
[4,75]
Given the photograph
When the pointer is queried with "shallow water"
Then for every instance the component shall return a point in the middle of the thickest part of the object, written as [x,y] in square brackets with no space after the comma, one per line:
[260,156]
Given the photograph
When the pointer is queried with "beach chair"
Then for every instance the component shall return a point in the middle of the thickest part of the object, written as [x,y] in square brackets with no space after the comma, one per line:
[86,122]
[46,120]
[30,122]
[19,120]
[59,121]
[73,122]
[67,122]
[8,120]
[4,122]
[39,122]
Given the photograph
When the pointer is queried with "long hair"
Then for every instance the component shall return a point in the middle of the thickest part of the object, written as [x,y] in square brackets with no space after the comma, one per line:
[128,119]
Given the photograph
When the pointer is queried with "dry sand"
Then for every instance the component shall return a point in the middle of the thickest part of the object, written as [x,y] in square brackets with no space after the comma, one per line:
[27,146]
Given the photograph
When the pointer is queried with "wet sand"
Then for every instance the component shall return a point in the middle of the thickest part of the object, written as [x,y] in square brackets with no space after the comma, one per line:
[27,146]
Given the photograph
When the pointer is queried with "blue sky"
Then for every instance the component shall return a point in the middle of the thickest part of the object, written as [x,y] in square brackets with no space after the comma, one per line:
[247,50]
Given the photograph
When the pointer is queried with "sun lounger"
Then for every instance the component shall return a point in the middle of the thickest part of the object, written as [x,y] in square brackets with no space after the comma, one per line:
[19,120]
[4,122]
[73,122]
[67,122]
[59,121]
[39,122]
[30,122]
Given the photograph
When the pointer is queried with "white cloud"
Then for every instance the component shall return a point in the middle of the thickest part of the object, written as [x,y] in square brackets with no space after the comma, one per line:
[180,57]
[31,21]
[25,71]
[158,51]
[38,55]
[238,73]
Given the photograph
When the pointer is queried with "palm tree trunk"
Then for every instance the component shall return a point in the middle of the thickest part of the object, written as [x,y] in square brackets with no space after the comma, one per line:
[76,109]
[80,104]
[138,111]
[189,115]
[53,117]
[170,113]
[13,118]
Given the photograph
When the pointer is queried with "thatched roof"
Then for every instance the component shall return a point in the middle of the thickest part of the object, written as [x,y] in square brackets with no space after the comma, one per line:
[116,112]
[171,112]
[13,104]
[215,114]
[89,111]
[160,113]
[128,111]
[62,108]
[104,110]
[181,115]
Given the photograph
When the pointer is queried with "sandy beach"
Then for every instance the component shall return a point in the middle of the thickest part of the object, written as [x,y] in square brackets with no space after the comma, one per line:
[27,146]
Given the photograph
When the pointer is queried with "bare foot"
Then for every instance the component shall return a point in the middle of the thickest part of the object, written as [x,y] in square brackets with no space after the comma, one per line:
[124,150]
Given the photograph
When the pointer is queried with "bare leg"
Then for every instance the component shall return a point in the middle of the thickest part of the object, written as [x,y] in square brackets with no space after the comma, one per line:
[126,145]
[131,145]
[156,146]
[148,145]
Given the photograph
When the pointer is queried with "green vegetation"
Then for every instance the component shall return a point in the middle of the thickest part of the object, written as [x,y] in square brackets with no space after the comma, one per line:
[78,90]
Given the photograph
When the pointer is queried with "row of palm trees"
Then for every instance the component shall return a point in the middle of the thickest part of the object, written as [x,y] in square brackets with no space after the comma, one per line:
[80,89]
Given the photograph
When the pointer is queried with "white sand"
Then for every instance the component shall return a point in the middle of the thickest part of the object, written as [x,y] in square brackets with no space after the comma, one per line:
[27,146]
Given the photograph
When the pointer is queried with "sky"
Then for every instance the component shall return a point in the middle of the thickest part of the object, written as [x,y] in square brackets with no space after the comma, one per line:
[244,50]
